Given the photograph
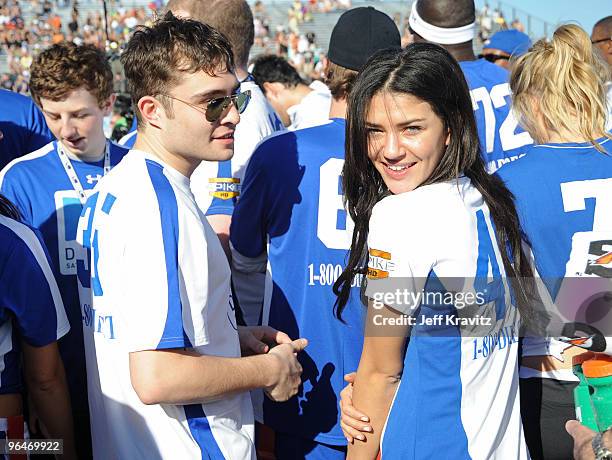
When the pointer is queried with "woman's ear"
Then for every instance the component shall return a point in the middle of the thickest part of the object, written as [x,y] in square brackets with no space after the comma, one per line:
[448,137]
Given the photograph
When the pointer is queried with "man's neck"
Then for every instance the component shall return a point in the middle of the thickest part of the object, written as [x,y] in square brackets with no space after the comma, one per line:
[462,51]
[152,145]
[241,73]
[338,108]
[299,93]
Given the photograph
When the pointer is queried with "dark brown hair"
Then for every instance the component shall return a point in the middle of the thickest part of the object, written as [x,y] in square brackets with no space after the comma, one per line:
[65,67]
[233,18]
[156,56]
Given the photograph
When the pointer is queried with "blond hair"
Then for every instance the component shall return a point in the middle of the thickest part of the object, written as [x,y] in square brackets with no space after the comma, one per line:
[565,79]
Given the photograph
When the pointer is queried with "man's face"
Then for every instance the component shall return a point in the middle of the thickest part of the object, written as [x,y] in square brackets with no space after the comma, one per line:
[77,122]
[603,38]
[497,57]
[277,95]
[185,130]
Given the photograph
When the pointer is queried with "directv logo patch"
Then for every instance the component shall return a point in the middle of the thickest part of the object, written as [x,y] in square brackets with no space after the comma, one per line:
[224,188]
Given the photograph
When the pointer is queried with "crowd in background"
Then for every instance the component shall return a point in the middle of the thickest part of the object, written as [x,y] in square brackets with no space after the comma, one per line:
[26,28]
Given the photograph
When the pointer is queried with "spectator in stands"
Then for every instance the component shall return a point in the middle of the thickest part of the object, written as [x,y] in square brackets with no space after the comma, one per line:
[506,44]
[298,104]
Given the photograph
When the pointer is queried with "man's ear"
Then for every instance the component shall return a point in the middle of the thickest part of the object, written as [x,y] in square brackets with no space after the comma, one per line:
[273,90]
[151,110]
[107,108]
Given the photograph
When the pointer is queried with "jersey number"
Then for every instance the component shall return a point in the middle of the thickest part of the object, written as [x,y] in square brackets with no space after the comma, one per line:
[334,225]
[591,252]
[490,101]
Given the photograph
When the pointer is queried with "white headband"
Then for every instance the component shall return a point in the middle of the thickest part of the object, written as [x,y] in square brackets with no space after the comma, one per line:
[441,35]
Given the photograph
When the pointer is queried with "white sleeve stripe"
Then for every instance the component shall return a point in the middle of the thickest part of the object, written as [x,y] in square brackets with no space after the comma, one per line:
[33,243]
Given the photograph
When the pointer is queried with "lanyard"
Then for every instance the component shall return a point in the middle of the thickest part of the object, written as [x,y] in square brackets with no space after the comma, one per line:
[71,173]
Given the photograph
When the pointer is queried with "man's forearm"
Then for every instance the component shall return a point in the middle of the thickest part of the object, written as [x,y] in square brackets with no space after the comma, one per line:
[196,378]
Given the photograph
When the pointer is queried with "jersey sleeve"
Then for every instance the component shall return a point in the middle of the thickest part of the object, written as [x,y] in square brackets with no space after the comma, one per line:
[39,133]
[250,222]
[224,188]
[398,261]
[30,291]
[12,188]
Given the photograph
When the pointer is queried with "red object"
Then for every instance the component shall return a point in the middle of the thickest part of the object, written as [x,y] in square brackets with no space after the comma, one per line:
[15,431]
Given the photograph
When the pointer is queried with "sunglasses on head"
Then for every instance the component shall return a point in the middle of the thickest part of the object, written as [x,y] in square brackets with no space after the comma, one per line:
[216,108]
[493,57]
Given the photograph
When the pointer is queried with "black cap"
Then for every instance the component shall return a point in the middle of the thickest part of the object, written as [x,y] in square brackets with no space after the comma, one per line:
[358,34]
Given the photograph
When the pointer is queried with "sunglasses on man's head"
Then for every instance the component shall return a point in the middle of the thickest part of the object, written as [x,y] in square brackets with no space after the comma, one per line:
[216,108]
[493,57]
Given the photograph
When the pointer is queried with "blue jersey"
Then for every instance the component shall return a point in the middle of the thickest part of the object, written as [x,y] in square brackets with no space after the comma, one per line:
[291,207]
[564,199]
[40,188]
[34,315]
[22,126]
[501,139]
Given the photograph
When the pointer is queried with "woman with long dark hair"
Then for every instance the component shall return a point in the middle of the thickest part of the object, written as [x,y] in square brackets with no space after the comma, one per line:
[32,319]
[431,225]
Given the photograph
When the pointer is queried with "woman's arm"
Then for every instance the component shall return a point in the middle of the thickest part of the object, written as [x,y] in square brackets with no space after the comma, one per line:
[46,383]
[378,375]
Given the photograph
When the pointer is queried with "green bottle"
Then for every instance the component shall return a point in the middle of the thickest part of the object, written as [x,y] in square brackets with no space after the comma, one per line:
[598,374]
[585,412]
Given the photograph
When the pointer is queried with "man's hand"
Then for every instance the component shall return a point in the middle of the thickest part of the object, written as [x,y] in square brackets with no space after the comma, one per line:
[285,371]
[353,422]
[582,440]
[257,340]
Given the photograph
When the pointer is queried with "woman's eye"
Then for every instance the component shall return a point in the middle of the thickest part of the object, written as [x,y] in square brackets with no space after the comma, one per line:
[413,129]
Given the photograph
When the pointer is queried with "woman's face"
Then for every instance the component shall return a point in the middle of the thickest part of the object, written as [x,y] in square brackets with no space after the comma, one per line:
[406,140]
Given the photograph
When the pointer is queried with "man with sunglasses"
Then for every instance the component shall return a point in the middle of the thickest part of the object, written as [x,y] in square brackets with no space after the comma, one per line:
[452,25]
[601,37]
[505,44]
[166,378]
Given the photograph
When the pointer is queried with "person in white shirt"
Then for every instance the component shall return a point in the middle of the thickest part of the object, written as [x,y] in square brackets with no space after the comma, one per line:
[298,104]
[165,374]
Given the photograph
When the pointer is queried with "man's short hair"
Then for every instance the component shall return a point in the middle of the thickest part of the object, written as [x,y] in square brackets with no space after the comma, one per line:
[65,67]
[447,13]
[275,69]
[340,80]
[156,57]
[605,24]
[233,18]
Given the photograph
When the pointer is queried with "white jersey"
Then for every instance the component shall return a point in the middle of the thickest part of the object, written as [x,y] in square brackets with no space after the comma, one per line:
[313,109]
[459,392]
[214,181]
[155,277]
